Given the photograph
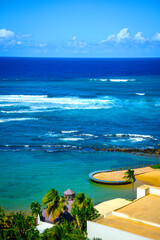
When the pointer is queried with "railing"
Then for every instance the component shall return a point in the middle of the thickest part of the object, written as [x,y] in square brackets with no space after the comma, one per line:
[130,167]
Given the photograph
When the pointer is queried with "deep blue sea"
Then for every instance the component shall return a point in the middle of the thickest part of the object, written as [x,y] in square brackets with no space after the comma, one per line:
[55,111]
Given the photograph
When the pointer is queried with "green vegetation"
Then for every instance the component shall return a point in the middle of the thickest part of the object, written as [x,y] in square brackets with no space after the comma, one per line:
[130,177]
[36,209]
[83,210]
[156,166]
[17,226]
[63,231]
[55,204]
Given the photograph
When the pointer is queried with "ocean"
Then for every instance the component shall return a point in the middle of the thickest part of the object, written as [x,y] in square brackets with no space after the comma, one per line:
[54,113]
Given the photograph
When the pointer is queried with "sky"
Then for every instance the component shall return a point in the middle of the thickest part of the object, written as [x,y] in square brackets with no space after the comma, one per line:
[80,28]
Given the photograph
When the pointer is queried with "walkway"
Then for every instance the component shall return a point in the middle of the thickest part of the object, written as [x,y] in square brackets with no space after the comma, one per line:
[117,176]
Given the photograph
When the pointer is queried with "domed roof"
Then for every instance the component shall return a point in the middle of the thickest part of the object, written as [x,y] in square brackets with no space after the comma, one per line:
[69,192]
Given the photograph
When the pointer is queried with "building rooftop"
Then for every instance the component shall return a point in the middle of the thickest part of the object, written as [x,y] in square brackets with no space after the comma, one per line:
[134,227]
[108,206]
[140,217]
[42,226]
[69,192]
[145,209]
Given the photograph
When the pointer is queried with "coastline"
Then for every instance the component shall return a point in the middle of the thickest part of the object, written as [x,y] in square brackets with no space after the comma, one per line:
[148,151]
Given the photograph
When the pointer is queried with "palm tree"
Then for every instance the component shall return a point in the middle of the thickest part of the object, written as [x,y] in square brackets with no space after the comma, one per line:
[36,209]
[65,230]
[22,227]
[130,177]
[83,210]
[55,204]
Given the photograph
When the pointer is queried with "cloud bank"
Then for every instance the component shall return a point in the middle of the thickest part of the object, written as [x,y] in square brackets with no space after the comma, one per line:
[124,36]
[121,36]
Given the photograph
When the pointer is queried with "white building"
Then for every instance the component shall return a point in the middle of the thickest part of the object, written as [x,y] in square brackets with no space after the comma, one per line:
[137,220]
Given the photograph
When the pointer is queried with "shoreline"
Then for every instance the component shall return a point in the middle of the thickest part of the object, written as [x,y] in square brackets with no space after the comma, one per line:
[153,151]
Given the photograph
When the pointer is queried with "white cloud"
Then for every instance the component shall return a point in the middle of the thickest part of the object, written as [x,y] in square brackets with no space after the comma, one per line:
[110,38]
[139,37]
[156,37]
[75,43]
[6,33]
[19,43]
[122,35]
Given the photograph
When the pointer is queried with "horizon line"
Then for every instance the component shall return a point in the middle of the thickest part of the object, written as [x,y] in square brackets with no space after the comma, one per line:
[80,57]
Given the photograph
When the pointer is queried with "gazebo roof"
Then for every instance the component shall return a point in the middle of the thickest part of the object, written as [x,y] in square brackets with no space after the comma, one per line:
[69,192]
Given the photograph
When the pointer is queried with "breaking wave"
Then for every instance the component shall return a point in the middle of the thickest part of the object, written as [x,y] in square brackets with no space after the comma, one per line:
[122,80]
[140,94]
[71,139]
[16,119]
[99,79]
[27,111]
[122,135]
[37,103]
[72,131]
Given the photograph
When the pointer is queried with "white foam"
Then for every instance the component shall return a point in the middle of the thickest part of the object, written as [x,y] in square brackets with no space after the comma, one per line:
[86,134]
[140,94]
[91,107]
[136,139]
[26,146]
[44,102]
[129,135]
[141,136]
[16,119]
[46,145]
[71,139]
[103,80]
[21,98]
[72,131]
[99,79]
[25,111]
[52,134]
[122,80]
[8,105]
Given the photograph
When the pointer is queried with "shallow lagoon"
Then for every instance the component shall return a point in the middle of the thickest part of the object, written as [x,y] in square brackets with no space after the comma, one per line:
[27,176]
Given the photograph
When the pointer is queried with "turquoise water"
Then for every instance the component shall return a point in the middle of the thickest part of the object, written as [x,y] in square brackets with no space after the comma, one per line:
[27,176]
[55,112]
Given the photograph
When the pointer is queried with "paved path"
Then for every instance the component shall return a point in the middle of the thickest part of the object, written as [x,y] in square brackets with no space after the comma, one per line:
[118,175]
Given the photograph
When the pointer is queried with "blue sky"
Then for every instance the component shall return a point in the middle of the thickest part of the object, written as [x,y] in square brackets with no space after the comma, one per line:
[80,28]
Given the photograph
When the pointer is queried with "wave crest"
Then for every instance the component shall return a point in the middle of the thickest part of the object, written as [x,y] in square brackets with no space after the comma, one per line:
[140,94]
[122,80]
[37,103]
[16,119]
[123,135]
